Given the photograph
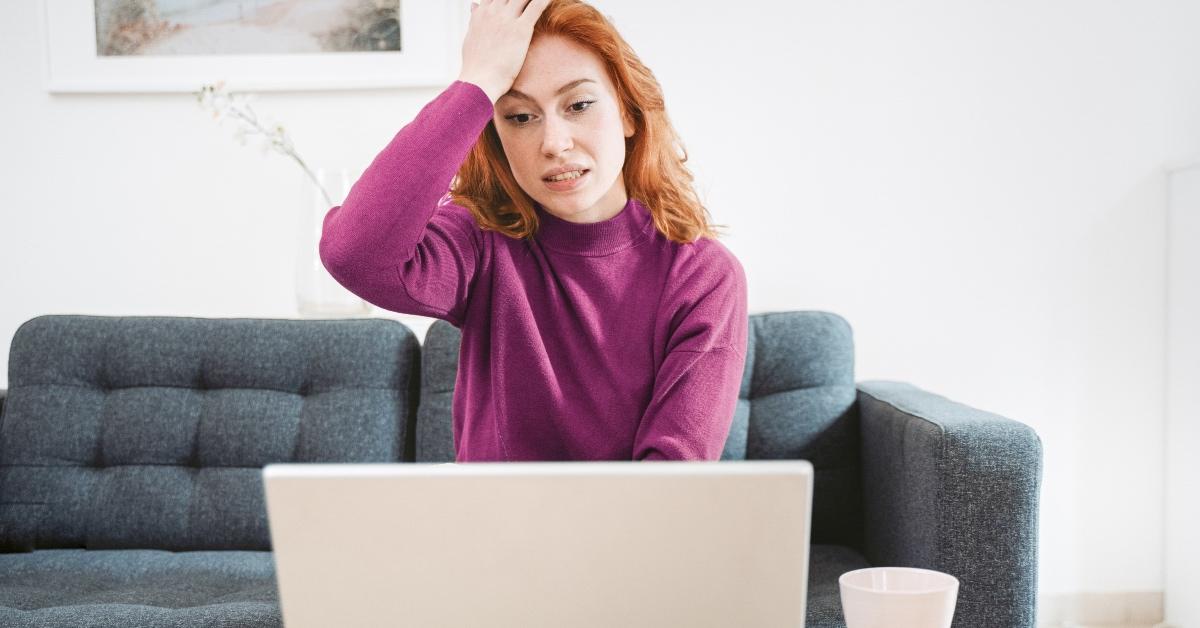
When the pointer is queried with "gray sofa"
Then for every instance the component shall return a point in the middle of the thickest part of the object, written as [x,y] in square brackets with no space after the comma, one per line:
[131,449]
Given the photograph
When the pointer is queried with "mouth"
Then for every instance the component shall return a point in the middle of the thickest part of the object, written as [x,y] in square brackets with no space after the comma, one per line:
[567,180]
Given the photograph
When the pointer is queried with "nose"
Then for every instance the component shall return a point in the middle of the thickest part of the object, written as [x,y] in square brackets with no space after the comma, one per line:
[557,136]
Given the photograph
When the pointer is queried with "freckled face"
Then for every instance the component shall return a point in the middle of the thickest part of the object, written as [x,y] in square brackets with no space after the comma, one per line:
[562,110]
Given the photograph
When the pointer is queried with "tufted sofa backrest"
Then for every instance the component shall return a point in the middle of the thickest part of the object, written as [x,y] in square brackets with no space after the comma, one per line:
[797,401]
[151,432]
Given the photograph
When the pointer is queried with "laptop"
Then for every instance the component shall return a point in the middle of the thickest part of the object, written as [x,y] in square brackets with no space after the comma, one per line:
[541,544]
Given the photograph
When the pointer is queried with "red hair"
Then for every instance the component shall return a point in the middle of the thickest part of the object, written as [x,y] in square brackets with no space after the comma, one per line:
[654,171]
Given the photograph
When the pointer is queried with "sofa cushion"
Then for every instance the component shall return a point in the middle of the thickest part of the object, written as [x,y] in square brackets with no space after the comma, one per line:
[67,588]
[826,564]
[435,415]
[151,432]
[800,396]
[120,588]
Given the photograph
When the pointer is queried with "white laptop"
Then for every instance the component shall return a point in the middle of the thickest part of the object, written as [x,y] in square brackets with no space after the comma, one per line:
[541,544]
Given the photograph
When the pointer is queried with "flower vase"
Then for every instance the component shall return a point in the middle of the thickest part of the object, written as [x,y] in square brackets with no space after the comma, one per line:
[318,294]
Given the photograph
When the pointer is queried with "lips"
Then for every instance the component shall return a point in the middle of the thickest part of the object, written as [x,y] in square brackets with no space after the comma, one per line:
[569,185]
[553,180]
[561,169]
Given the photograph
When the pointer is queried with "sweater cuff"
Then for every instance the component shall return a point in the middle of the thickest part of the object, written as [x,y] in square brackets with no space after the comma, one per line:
[474,96]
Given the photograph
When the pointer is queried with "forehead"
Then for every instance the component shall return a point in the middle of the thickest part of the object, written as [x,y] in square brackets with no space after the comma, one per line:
[553,61]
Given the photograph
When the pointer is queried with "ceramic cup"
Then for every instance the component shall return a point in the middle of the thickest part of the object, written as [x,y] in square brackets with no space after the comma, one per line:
[898,597]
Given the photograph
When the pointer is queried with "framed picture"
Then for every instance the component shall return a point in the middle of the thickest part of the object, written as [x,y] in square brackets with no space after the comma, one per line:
[179,45]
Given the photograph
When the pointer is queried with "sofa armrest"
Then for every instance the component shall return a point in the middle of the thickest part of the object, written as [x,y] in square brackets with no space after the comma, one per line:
[955,489]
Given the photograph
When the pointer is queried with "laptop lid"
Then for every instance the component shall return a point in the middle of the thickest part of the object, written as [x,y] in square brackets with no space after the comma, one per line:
[531,544]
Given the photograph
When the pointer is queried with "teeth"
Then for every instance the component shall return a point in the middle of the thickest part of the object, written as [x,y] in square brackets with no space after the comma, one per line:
[574,174]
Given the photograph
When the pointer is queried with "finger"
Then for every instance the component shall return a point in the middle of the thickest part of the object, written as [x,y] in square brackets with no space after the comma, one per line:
[534,10]
[514,6]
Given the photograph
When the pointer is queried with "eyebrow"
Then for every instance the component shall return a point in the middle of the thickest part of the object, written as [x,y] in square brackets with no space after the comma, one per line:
[512,93]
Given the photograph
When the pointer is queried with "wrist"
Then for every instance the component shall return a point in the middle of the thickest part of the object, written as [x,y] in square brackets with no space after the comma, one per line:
[489,87]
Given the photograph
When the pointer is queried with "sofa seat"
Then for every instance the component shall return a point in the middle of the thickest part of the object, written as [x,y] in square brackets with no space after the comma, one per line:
[138,587]
[153,588]
[826,564]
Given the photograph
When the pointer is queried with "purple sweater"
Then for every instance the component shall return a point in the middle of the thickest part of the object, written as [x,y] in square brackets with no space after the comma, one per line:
[601,341]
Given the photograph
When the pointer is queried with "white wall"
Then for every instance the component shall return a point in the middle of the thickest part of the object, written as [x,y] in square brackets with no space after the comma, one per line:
[1183,408]
[976,186]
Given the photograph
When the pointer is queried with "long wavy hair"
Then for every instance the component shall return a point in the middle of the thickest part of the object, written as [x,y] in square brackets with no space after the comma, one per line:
[654,170]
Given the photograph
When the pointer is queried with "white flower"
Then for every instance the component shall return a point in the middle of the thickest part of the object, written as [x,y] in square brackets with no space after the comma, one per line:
[236,107]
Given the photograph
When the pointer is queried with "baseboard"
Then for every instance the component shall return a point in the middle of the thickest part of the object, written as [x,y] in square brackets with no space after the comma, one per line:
[1133,609]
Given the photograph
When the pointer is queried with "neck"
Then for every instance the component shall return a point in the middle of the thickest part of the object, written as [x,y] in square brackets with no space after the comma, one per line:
[629,226]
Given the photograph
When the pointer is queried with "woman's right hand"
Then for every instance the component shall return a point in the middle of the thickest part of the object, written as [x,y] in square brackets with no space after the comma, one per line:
[497,41]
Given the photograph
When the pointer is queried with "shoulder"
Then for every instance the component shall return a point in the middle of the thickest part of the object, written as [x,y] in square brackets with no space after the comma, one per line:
[706,297]
[457,217]
[447,206]
[704,265]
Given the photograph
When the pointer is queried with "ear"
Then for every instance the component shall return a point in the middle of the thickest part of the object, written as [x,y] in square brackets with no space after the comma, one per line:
[628,124]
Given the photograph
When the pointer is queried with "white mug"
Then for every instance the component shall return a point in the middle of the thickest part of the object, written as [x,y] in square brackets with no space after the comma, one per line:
[898,597]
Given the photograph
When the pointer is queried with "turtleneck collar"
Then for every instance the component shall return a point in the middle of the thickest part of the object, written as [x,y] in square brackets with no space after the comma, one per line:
[621,231]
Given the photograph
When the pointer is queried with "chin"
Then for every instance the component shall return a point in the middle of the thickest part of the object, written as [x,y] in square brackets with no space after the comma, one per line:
[568,205]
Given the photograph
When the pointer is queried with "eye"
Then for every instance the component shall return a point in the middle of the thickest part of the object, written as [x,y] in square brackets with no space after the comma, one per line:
[582,102]
[514,117]
[574,109]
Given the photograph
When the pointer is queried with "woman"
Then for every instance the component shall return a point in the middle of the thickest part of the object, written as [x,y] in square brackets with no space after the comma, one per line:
[540,205]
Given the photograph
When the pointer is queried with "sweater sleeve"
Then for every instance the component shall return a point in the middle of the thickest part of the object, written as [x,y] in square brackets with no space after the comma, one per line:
[695,395]
[396,240]
[696,387]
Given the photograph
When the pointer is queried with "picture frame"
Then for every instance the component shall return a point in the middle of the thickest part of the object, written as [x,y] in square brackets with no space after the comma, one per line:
[431,34]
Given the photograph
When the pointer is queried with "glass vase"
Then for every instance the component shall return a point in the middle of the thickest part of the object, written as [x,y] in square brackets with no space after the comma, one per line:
[318,294]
